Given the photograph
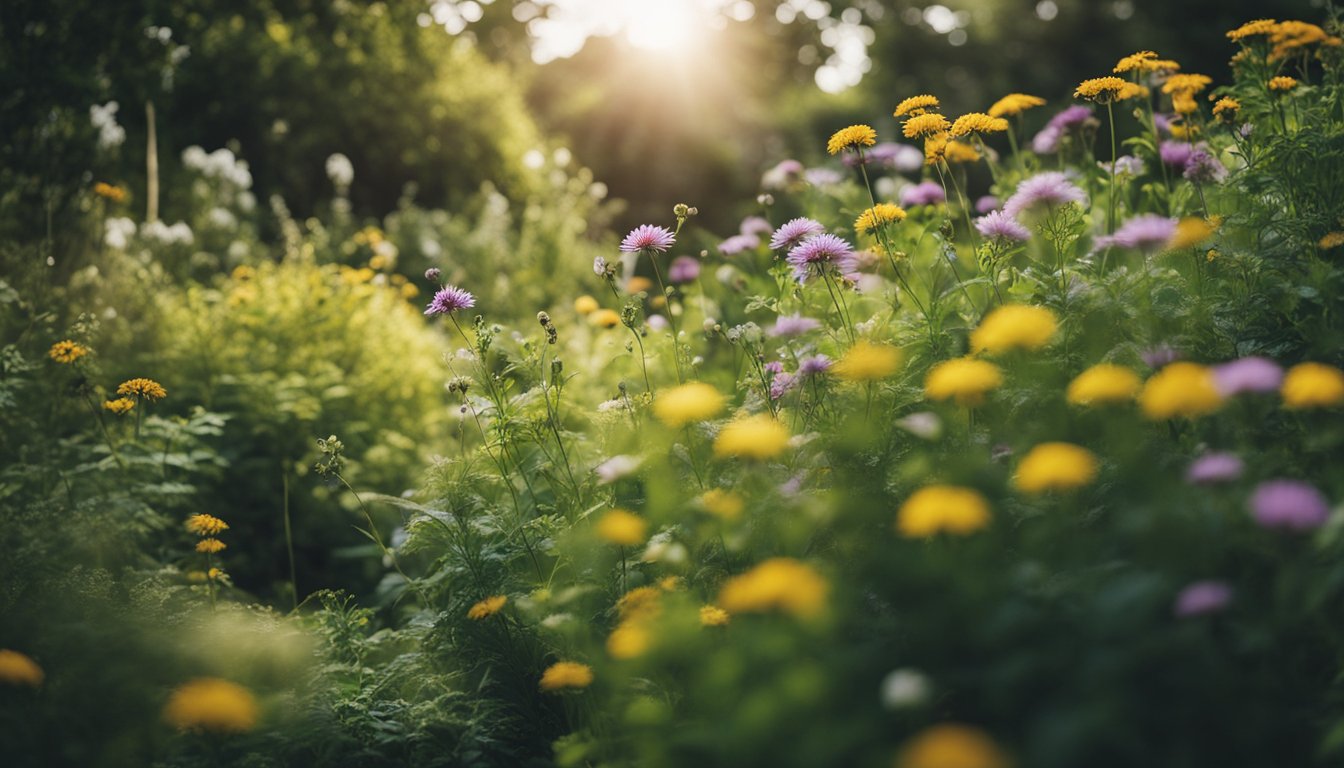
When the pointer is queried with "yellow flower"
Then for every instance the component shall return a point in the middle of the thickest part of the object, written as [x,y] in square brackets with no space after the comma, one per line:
[1180,389]
[408,290]
[1186,84]
[145,389]
[1252,28]
[1184,104]
[67,351]
[1103,384]
[916,105]
[926,124]
[1015,104]
[211,704]
[1226,108]
[638,284]
[206,525]
[669,583]
[1289,37]
[1312,385]
[1183,131]
[964,380]
[1191,231]
[214,574]
[935,148]
[853,137]
[243,273]
[724,504]
[866,361]
[1107,89]
[487,607]
[714,616]
[1135,61]
[1055,467]
[878,216]
[688,403]
[640,603]
[778,584]
[119,406]
[951,746]
[754,437]
[566,674]
[1014,326]
[960,152]
[1331,240]
[18,669]
[1282,83]
[618,526]
[937,508]
[210,546]
[977,122]
[629,639]
[585,305]
[605,318]
[110,192]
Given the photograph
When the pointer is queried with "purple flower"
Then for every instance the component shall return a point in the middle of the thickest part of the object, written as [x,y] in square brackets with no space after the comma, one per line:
[823,177]
[1212,468]
[1176,154]
[657,323]
[1074,116]
[793,232]
[1048,140]
[774,367]
[1147,232]
[754,225]
[683,269]
[780,384]
[1051,188]
[793,325]
[448,300]
[738,244]
[923,193]
[986,204]
[1159,356]
[899,157]
[433,274]
[813,254]
[997,225]
[1204,168]
[1162,123]
[814,365]
[647,237]
[1290,505]
[1202,597]
[1249,374]
[1125,165]
[782,175]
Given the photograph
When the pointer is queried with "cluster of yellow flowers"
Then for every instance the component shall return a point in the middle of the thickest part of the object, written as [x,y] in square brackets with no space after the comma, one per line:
[110,192]
[208,527]
[67,351]
[879,216]
[17,669]
[212,705]
[777,584]
[487,607]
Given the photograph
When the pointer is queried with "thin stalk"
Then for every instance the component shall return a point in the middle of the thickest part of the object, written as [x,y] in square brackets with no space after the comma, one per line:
[289,539]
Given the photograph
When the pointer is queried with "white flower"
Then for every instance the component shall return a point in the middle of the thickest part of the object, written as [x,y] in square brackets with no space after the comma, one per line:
[922,424]
[616,467]
[662,549]
[221,218]
[340,170]
[116,232]
[104,118]
[904,688]
[175,234]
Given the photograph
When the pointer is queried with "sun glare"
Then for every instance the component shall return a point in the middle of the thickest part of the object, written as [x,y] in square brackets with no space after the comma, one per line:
[660,25]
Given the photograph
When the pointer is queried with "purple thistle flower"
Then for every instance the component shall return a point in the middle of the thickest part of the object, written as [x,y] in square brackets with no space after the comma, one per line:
[1213,468]
[1147,232]
[738,244]
[774,367]
[814,365]
[793,232]
[647,237]
[1289,505]
[781,383]
[997,225]
[923,193]
[433,274]
[1204,168]
[448,300]
[782,175]
[986,204]
[754,225]
[1073,116]
[823,177]
[1159,356]
[1202,597]
[1249,374]
[683,269]
[1051,188]
[818,251]
[793,325]
[1048,140]
[1176,154]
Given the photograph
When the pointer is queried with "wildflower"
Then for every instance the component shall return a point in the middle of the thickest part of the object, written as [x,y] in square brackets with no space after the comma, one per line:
[206,525]
[18,669]
[640,602]
[714,616]
[1249,374]
[1051,189]
[585,305]
[1015,104]
[1282,83]
[1214,468]
[1226,109]
[814,365]
[638,284]
[778,584]
[1000,227]
[986,204]
[1186,84]
[1014,326]
[67,351]
[853,137]
[1190,231]
[1289,505]
[964,380]
[624,528]
[1102,384]
[119,406]
[1312,385]
[1125,165]
[812,255]
[1107,89]
[648,238]
[727,505]
[866,361]
[211,704]
[566,674]
[1159,356]
[1176,154]
[923,193]
[110,192]
[1055,467]
[690,402]
[793,232]
[144,389]
[615,468]
[951,746]
[1180,389]
[915,106]
[737,244]
[210,546]
[1331,240]
[754,225]
[1204,168]
[605,318]
[630,639]
[904,688]
[754,437]
[942,508]
[1135,62]
[793,325]
[927,124]
[1201,598]
[878,216]
[1073,118]
[487,607]
[781,384]
[340,170]
[977,122]
[1146,232]
[449,299]
[1251,29]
